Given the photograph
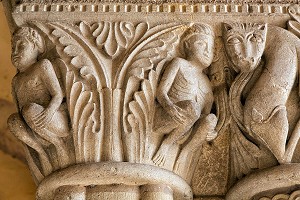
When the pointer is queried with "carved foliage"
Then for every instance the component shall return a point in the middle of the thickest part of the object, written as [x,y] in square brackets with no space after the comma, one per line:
[140,93]
[109,71]
[109,74]
[112,37]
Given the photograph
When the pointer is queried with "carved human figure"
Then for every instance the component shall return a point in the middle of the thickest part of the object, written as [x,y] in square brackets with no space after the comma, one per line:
[184,92]
[39,96]
[294,24]
[264,86]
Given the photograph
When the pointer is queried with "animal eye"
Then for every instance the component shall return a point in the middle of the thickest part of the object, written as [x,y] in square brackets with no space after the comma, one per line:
[233,41]
[256,38]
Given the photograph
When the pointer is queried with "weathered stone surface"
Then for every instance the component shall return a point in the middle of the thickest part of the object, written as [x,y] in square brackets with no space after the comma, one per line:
[290,196]
[268,183]
[165,1]
[173,101]
[211,176]
[209,198]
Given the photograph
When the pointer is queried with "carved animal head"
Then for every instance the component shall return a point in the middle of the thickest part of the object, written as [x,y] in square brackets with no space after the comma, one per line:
[244,44]
[198,44]
[27,44]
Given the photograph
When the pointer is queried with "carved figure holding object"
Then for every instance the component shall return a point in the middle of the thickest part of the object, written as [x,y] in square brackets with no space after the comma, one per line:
[38,94]
[184,92]
[265,86]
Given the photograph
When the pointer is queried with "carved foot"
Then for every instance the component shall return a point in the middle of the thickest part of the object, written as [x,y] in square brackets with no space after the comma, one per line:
[160,157]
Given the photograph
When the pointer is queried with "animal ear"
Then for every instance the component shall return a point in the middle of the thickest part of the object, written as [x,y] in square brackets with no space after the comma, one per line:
[186,45]
[34,34]
[262,27]
[226,27]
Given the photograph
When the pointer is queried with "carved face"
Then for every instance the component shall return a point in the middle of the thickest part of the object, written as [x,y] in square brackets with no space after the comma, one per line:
[245,44]
[24,53]
[201,47]
[294,11]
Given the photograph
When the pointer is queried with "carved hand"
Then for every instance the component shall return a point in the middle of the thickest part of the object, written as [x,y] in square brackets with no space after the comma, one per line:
[177,114]
[211,121]
[43,118]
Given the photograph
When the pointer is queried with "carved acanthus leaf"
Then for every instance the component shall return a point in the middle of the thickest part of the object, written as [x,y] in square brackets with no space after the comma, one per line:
[77,51]
[88,53]
[113,37]
[141,81]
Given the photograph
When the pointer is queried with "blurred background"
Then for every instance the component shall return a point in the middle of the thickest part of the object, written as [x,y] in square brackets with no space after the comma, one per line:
[15,178]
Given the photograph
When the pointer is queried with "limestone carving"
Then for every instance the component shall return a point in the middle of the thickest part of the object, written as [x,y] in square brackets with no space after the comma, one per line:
[211,174]
[264,83]
[294,24]
[182,98]
[86,78]
[126,107]
[268,183]
[184,92]
[43,119]
[293,196]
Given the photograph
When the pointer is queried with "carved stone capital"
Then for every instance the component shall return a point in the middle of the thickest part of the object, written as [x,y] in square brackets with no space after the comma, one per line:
[157,101]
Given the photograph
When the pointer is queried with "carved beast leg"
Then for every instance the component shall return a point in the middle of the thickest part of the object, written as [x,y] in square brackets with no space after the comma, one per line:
[272,131]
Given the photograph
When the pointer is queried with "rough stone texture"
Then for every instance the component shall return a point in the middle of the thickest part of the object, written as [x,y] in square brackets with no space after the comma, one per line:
[211,176]
[209,198]
[268,183]
[156,108]
[165,1]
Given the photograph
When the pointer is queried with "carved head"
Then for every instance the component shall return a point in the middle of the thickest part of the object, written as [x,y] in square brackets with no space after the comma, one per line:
[244,44]
[294,11]
[27,44]
[198,44]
